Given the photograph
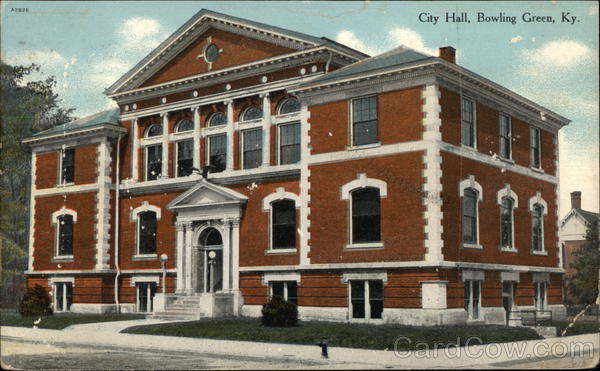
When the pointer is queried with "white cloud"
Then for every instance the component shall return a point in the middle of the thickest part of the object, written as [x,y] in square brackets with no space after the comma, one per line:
[516,39]
[105,73]
[45,58]
[141,33]
[349,38]
[410,38]
[560,54]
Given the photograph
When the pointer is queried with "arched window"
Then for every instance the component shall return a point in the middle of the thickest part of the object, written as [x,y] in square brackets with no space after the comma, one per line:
[154,130]
[469,218]
[537,224]
[283,224]
[64,231]
[146,233]
[506,222]
[217,118]
[252,113]
[289,105]
[366,215]
[210,237]
[185,125]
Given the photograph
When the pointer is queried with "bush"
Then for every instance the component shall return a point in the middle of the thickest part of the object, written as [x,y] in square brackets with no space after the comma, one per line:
[36,302]
[280,313]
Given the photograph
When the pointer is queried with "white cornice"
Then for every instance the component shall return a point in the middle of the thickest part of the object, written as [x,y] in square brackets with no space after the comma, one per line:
[107,130]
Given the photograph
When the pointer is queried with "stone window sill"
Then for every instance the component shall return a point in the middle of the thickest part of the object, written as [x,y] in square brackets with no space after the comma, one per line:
[280,251]
[363,146]
[145,257]
[541,253]
[364,246]
[508,249]
[472,246]
[62,258]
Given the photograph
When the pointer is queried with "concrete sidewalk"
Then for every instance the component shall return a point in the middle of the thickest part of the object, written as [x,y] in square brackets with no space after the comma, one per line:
[475,356]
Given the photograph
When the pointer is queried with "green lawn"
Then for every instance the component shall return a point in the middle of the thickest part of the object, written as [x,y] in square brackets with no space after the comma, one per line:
[579,328]
[61,320]
[338,334]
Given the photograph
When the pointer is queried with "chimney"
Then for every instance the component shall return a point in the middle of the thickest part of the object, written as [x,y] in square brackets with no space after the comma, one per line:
[576,200]
[447,53]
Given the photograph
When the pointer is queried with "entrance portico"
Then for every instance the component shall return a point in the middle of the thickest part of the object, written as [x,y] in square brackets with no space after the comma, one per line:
[208,224]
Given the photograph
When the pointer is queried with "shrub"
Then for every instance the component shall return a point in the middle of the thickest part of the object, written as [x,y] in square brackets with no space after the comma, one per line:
[35,302]
[280,313]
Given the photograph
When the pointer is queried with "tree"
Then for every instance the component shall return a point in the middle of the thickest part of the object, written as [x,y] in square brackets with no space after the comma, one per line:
[27,107]
[583,285]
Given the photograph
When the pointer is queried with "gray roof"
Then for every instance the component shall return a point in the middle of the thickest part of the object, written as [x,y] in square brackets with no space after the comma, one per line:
[589,216]
[399,56]
[109,117]
[317,41]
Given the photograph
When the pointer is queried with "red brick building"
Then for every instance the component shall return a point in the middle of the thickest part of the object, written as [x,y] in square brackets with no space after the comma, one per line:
[397,188]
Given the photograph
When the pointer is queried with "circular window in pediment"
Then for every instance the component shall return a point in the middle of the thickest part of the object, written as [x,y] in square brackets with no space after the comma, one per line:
[211,53]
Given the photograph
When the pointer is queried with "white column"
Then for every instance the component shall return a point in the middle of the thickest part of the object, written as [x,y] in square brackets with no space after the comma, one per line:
[180,258]
[196,138]
[134,150]
[165,145]
[230,131]
[226,255]
[235,254]
[266,126]
[188,264]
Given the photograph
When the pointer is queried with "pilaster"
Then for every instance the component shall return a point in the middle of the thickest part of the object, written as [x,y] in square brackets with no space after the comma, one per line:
[196,137]
[266,129]
[165,145]
[189,263]
[180,283]
[230,131]
[135,144]
[103,205]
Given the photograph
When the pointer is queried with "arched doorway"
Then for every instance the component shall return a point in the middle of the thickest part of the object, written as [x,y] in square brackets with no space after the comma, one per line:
[210,261]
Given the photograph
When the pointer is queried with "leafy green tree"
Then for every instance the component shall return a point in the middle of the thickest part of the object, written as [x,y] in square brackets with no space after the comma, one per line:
[583,284]
[27,107]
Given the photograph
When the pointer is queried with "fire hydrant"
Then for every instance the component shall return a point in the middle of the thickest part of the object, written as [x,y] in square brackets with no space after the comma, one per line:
[323,345]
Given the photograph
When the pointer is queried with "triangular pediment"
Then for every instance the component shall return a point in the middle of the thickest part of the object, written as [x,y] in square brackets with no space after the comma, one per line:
[206,194]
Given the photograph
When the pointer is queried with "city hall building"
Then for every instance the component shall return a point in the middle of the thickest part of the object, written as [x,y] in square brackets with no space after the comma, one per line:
[247,161]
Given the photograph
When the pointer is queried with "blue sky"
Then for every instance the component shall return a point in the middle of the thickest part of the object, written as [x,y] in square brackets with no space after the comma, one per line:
[88,45]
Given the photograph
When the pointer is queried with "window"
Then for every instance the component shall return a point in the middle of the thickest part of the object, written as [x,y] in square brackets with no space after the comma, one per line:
[506,221]
[185,125]
[366,218]
[217,152]
[67,166]
[469,219]
[252,148]
[153,162]
[211,53]
[535,148]
[537,227]
[185,157]
[145,294]
[366,299]
[473,298]
[468,123]
[364,121]
[283,224]
[64,235]
[289,143]
[289,105]
[63,296]
[541,295]
[287,290]
[252,113]
[154,130]
[505,136]
[147,233]
[217,119]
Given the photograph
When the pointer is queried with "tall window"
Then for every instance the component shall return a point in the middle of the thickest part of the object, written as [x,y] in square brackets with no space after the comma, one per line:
[217,119]
[147,233]
[64,229]
[252,113]
[364,121]
[505,136]
[473,298]
[366,215]
[537,224]
[283,224]
[289,143]
[218,152]
[67,166]
[145,294]
[506,220]
[252,148]
[468,122]
[469,219]
[287,290]
[366,299]
[63,296]
[289,105]
[153,162]
[541,295]
[535,148]
[185,157]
